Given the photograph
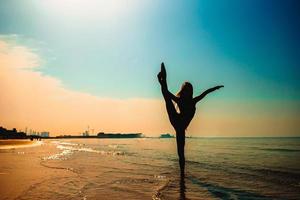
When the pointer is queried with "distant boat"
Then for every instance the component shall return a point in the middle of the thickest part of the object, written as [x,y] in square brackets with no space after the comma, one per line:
[119,135]
[167,135]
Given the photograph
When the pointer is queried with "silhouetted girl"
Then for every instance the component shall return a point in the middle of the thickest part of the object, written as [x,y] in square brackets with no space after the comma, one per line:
[187,107]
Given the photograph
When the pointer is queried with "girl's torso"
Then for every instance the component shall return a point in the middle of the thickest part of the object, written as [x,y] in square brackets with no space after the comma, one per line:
[187,109]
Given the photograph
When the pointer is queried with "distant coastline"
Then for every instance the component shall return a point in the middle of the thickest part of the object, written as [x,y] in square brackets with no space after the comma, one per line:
[103,135]
[13,134]
[6,134]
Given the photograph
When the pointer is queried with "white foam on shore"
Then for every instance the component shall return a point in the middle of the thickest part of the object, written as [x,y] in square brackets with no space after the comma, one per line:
[69,148]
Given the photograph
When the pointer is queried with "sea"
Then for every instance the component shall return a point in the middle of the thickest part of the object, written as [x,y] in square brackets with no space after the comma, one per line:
[147,168]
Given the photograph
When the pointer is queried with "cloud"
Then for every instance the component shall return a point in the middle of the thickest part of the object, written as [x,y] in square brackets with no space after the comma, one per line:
[32,99]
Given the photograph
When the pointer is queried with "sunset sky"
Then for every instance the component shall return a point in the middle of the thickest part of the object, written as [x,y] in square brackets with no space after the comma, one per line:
[66,65]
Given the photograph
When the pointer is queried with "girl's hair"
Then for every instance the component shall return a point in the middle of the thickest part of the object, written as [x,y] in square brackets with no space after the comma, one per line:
[185,91]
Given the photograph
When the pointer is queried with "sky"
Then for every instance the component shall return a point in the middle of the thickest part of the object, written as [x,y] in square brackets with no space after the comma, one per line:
[66,65]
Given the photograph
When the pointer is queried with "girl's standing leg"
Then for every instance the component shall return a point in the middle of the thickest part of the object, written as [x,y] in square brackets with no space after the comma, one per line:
[180,139]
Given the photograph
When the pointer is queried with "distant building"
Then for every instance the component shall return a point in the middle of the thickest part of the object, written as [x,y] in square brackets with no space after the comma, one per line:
[167,135]
[119,135]
[85,134]
[44,134]
[11,134]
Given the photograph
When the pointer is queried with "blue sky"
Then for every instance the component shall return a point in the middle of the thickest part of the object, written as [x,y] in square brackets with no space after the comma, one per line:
[100,58]
[252,47]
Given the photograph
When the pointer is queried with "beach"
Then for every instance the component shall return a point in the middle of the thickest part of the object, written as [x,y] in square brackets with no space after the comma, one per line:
[145,168]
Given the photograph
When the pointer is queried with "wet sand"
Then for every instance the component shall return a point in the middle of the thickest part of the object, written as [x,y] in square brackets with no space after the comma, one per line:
[20,167]
[37,172]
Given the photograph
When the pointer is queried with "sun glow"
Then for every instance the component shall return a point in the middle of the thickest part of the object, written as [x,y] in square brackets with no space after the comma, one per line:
[89,10]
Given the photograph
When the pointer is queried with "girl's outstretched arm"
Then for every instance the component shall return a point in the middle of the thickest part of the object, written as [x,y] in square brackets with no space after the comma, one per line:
[201,96]
[162,79]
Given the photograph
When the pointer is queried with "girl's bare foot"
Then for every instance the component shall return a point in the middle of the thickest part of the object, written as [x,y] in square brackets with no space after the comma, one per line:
[162,75]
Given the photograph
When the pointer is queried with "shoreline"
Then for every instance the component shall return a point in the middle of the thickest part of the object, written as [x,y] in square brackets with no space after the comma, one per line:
[18,143]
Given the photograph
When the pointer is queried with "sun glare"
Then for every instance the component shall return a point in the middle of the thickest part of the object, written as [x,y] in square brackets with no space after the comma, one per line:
[91,9]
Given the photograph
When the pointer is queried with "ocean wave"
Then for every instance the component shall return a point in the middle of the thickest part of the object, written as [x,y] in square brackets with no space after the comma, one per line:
[57,167]
[290,178]
[279,149]
[222,192]
[68,143]
[59,156]
[69,148]
[158,193]
[113,146]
